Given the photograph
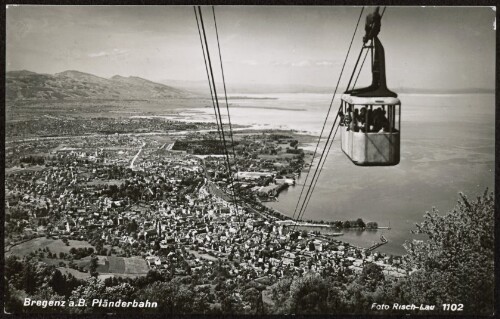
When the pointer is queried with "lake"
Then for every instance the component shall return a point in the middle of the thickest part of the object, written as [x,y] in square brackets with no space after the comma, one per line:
[447,147]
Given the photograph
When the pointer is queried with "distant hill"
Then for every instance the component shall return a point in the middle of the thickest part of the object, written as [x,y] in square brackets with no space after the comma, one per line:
[201,87]
[27,85]
[247,88]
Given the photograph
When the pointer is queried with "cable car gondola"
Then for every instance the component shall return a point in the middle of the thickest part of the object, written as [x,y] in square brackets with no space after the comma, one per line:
[371,124]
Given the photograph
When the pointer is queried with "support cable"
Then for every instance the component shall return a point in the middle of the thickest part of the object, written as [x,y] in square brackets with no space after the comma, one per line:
[227,104]
[218,108]
[324,124]
[331,143]
[224,83]
[317,172]
[327,115]
[314,185]
[208,74]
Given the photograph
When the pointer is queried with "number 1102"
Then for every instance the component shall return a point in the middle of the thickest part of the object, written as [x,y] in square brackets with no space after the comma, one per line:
[453,307]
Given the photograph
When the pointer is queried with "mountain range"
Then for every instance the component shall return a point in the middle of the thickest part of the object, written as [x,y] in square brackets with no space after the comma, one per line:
[76,85]
[71,85]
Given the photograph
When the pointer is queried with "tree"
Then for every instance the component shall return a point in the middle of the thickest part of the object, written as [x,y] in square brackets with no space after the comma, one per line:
[12,299]
[456,263]
[229,304]
[335,299]
[371,276]
[29,278]
[174,297]
[304,295]
[132,227]
[372,225]
[360,223]
[45,294]
[93,266]
[254,298]
[279,295]
[308,295]
[57,282]
[99,248]
[123,291]
[93,288]
[14,271]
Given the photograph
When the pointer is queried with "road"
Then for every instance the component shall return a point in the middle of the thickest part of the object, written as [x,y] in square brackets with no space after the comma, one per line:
[137,155]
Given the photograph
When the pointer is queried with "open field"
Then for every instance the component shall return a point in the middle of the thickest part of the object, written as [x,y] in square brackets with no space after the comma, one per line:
[108,265]
[117,265]
[54,245]
[77,274]
[135,265]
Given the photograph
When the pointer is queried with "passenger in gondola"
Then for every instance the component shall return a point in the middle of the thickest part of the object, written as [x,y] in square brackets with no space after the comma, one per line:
[354,126]
[376,120]
[369,123]
[348,118]
[386,126]
[362,120]
[341,117]
[380,121]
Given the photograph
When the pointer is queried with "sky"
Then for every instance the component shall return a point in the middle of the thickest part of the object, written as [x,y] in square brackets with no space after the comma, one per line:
[426,47]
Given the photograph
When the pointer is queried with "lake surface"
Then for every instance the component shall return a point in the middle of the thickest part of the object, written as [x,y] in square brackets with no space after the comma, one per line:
[447,147]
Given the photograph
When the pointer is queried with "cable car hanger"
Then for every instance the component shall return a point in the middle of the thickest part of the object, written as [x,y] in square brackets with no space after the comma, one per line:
[365,147]
[369,136]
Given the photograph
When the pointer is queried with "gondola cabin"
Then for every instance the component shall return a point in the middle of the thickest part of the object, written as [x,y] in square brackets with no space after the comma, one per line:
[370,131]
[371,116]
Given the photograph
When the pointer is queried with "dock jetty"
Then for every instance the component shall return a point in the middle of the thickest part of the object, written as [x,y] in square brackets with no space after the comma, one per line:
[383,241]
[303,224]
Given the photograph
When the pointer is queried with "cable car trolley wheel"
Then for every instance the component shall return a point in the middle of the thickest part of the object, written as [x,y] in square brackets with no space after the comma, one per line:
[370,132]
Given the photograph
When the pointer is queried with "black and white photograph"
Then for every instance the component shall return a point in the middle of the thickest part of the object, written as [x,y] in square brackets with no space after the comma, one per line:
[249,160]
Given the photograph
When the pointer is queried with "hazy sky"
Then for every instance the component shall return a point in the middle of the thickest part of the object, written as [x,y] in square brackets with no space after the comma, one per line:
[426,47]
